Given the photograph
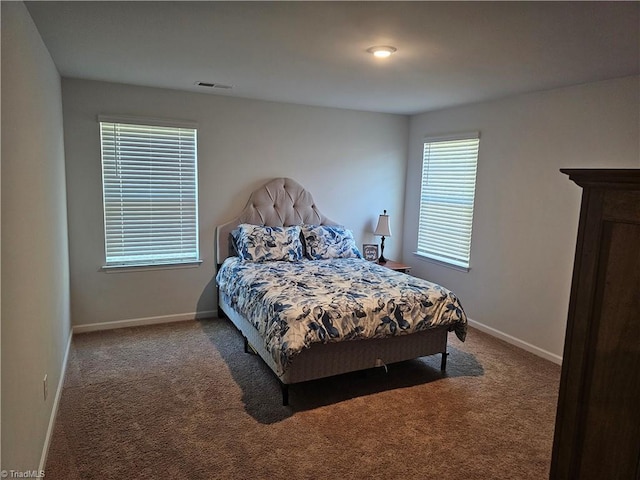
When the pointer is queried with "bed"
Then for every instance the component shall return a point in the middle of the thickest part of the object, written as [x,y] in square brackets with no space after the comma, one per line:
[293,283]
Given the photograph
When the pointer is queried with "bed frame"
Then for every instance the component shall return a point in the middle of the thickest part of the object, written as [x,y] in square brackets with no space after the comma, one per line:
[284,202]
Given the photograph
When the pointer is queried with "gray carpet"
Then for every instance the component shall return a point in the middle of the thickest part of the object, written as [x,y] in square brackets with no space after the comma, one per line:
[183,400]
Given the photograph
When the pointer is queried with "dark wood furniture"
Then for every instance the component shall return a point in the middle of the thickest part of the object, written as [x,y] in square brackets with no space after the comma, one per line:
[397,266]
[597,431]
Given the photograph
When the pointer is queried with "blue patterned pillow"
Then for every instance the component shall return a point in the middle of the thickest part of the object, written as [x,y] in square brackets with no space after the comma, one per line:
[256,243]
[327,241]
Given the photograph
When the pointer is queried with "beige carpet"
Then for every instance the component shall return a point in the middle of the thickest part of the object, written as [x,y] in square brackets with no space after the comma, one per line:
[183,401]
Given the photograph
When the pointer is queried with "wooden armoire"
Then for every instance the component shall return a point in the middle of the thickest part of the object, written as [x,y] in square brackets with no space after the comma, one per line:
[597,431]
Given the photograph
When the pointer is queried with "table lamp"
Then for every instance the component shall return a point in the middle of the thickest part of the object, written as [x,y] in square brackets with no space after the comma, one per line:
[383,230]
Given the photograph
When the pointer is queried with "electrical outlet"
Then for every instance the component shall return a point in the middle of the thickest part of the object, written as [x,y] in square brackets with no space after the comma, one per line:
[45,381]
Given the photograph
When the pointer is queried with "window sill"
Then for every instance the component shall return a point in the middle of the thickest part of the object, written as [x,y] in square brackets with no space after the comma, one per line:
[149,267]
[442,263]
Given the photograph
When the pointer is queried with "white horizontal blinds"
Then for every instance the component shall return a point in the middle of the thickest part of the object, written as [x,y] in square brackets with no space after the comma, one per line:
[150,193]
[447,197]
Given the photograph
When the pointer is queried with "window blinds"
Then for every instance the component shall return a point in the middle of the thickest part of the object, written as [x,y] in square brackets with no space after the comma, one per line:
[149,180]
[447,197]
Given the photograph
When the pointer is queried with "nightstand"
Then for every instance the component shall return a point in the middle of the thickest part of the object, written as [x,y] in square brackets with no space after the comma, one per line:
[397,266]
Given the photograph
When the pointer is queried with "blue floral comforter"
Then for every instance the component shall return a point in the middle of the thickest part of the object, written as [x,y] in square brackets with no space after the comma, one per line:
[295,304]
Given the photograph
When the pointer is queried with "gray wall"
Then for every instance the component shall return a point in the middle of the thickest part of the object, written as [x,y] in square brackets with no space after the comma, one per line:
[353,163]
[526,213]
[35,274]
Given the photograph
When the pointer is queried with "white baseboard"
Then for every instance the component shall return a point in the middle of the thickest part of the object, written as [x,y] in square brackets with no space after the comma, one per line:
[136,322]
[517,342]
[54,408]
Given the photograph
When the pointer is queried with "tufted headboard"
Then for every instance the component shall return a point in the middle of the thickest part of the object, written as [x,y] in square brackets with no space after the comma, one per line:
[279,203]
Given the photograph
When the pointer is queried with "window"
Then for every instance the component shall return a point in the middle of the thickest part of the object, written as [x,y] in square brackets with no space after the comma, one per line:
[150,194]
[446,201]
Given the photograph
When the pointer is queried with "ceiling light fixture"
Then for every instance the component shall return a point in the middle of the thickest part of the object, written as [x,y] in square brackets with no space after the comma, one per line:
[382,51]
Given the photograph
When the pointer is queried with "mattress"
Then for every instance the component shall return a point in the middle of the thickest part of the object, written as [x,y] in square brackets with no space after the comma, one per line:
[294,305]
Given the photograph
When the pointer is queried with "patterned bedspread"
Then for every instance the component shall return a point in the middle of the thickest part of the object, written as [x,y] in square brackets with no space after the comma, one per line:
[295,304]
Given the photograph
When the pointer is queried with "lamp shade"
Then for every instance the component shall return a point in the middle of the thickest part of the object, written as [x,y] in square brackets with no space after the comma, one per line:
[383,228]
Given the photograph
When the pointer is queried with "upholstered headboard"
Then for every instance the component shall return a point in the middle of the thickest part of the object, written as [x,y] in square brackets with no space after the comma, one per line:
[279,203]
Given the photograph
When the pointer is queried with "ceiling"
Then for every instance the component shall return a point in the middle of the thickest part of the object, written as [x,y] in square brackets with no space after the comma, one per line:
[314,53]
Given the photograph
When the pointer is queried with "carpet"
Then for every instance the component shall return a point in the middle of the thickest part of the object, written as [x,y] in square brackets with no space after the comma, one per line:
[183,400]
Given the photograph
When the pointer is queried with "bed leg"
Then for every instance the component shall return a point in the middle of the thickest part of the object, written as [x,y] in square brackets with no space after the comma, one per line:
[248,348]
[285,394]
[443,363]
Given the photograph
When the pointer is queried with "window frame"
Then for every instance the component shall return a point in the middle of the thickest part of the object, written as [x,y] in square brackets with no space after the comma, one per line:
[454,261]
[120,263]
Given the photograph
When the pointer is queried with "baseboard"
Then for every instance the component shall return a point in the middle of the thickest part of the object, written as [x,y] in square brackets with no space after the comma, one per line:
[54,408]
[137,322]
[517,342]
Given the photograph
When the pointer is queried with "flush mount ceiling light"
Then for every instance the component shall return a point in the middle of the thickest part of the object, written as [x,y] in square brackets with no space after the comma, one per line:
[382,51]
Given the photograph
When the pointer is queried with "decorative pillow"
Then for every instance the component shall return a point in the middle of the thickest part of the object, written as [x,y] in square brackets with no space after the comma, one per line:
[328,241]
[256,243]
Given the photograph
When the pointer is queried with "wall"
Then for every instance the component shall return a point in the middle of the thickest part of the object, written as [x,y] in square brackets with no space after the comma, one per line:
[353,163]
[35,274]
[526,212]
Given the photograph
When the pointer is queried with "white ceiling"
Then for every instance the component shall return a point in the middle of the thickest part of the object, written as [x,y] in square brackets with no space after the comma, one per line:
[314,53]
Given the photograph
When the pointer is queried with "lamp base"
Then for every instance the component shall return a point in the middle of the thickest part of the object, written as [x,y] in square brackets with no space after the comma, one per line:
[382,259]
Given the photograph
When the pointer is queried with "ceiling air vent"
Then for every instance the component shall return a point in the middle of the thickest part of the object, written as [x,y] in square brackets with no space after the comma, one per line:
[221,86]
